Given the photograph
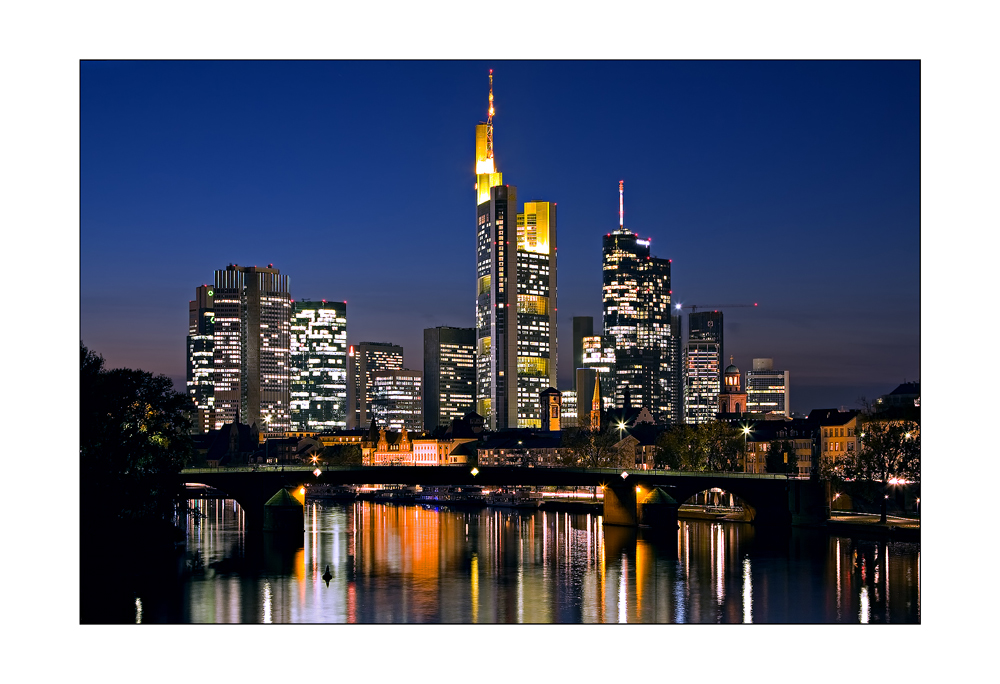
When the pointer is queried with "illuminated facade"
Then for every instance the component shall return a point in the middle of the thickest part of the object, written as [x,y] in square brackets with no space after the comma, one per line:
[318,386]
[637,316]
[702,366]
[449,374]
[200,361]
[515,345]
[599,356]
[767,389]
[251,348]
[363,361]
[701,381]
[398,400]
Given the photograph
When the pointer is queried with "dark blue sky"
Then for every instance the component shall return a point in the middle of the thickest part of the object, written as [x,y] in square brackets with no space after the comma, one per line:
[791,184]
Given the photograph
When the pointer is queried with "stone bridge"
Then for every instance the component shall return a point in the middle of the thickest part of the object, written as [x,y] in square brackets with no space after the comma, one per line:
[772,500]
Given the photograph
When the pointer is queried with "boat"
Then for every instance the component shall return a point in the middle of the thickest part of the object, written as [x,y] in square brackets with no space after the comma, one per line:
[514,498]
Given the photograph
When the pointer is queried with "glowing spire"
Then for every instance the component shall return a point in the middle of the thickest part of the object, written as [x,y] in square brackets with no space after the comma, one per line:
[621,204]
[489,122]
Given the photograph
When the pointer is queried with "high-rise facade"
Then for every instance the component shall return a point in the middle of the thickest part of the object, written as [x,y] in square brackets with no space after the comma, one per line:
[703,366]
[318,357]
[515,295]
[200,351]
[701,381]
[363,361]
[767,389]
[398,400]
[599,355]
[449,374]
[251,347]
[636,300]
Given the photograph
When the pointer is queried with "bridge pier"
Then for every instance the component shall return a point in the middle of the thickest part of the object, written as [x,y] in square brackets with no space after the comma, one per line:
[620,505]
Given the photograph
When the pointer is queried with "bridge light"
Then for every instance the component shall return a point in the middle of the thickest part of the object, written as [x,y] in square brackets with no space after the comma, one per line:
[317,472]
[624,474]
[638,489]
[475,471]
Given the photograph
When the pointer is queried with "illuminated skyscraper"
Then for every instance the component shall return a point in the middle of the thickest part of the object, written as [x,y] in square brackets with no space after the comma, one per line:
[363,361]
[767,389]
[637,316]
[398,400]
[515,345]
[318,386]
[449,374]
[702,366]
[200,362]
[251,350]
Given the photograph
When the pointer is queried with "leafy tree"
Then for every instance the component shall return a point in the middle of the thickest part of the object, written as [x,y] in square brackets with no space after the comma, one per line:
[781,457]
[705,447]
[593,449]
[133,442]
[889,451]
[342,454]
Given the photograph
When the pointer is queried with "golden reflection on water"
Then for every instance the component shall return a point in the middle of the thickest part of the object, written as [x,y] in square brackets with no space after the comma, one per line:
[419,564]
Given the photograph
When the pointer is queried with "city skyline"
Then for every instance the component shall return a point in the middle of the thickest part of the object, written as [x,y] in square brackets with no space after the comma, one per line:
[783,183]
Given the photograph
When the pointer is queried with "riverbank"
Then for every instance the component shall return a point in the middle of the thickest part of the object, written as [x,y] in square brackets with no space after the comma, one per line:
[864,524]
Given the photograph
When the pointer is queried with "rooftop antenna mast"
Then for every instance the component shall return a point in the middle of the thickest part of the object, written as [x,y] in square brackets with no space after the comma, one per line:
[489,122]
[621,204]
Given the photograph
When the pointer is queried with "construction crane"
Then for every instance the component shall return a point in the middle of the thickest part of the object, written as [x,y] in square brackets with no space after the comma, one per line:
[695,307]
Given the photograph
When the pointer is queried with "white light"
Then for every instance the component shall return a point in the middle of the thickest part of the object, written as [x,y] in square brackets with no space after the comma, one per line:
[317,472]
[624,474]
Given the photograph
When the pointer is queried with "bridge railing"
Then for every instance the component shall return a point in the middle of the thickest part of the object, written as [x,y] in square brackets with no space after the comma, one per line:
[616,472]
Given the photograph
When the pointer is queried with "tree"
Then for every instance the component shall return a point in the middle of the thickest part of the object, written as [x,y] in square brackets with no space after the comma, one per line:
[342,454]
[781,457]
[593,449]
[711,446]
[133,442]
[889,452]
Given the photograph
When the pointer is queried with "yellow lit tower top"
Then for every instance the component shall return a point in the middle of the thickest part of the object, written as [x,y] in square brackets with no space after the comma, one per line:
[487,175]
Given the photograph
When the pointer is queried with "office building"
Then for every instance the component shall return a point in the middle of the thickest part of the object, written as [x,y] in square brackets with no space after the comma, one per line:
[251,348]
[398,402]
[701,381]
[587,380]
[599,355]
[363,361]
[318,356]
[515,295]
[569,417]
[200,362]
[637,315]
[767,389]
[449,374]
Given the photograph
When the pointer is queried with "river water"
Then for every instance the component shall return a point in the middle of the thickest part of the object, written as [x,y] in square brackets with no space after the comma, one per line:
[393,563]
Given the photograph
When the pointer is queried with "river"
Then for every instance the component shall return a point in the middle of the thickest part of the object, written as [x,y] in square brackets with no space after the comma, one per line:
[416,564]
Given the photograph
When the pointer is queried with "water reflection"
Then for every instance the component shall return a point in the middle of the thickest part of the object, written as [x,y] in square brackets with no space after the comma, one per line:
[421,564]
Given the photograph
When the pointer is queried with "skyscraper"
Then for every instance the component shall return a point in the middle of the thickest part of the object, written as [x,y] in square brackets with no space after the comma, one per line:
[515,345]
[636,298]
[200,350]
[398,399]
[251,347]
[449,374]
[318,357]
[702,366]
[363,361]
[767,389]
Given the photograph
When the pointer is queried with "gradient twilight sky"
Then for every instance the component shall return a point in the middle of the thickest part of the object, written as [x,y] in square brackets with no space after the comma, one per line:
[792,184]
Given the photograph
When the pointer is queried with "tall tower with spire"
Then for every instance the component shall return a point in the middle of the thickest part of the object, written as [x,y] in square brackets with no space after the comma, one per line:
[637,317]
[515,294]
